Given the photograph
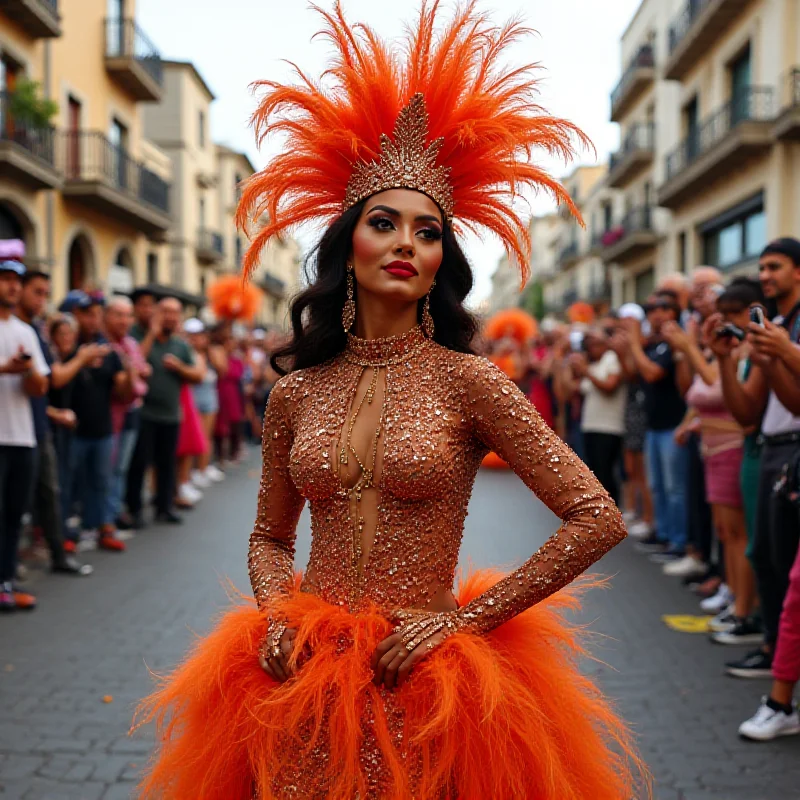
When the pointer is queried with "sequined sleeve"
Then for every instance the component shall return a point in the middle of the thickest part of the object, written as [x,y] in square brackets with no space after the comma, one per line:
[271,554]
[505,421]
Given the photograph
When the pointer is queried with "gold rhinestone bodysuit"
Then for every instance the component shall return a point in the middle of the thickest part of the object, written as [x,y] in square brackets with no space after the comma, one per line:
[433,416]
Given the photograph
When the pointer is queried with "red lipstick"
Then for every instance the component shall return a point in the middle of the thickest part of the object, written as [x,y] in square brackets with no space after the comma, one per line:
[401,269]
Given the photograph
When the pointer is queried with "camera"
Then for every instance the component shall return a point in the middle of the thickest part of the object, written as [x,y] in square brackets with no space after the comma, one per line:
[730,330]
[757,316]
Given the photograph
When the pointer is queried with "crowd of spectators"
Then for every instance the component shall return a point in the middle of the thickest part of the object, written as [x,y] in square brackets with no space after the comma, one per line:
[107,406]
[687,408]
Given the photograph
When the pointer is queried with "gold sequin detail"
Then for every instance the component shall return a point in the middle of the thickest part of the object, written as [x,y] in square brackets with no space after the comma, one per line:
[443,412]
[405,163]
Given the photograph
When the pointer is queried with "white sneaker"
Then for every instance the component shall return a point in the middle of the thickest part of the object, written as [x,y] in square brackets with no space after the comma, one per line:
[629,517]
[716,603]
[213,473]
[188,494]
[640,529]
[200,479]
[767,724]
[724,622]
[686,567]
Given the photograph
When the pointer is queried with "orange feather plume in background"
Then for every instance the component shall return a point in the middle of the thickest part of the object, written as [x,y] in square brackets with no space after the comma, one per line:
[485,112]
[580,312]
[231,298]
[511,322]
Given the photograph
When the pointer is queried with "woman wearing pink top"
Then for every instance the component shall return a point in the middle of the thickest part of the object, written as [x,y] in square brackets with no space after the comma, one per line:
[722,440]
[228,428]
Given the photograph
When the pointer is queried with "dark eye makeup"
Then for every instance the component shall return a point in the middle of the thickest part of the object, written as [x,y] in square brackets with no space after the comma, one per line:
[384,223]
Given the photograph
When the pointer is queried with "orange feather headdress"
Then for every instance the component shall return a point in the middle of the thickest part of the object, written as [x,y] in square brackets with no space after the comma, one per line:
[232,299]
[438,113]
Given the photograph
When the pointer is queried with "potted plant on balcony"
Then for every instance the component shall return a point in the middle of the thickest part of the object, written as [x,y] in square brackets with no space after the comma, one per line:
[29,116]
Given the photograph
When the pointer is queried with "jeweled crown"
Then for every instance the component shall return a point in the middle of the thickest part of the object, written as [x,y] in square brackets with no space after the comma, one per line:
[405,163]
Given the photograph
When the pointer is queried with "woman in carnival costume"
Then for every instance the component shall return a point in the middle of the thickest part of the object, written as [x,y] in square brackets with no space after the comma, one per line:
[372,676]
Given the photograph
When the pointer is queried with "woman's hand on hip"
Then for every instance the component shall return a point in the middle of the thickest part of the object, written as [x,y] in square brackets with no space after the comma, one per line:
[416,634]
[275,652]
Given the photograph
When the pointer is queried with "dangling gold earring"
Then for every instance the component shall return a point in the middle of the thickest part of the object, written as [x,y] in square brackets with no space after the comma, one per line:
[349,310]
[427,319]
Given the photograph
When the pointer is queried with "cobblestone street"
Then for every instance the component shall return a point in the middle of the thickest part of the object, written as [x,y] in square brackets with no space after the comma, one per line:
[71,672]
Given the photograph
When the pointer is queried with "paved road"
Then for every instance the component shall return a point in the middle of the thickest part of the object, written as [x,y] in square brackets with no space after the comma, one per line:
[95,638]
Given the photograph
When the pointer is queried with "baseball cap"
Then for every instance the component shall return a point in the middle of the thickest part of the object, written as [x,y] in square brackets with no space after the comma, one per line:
[12,266]
[193,325]
[631,310]
[78,300]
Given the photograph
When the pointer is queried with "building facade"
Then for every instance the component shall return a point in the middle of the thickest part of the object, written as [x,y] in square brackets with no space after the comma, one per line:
[79,183]
[572,269]
[204,241]
[709,112]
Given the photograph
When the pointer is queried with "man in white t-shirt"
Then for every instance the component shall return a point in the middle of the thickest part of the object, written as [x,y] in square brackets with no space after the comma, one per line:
[603,415]
[23,374]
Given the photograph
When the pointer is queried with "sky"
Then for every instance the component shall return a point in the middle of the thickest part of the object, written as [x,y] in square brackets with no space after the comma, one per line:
[234,42]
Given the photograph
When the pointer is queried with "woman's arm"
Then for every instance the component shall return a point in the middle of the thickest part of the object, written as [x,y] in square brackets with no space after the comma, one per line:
[509,425]
[271,554]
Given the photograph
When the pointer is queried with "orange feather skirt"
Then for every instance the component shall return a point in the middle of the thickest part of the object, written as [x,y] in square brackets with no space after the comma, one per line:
[507,716]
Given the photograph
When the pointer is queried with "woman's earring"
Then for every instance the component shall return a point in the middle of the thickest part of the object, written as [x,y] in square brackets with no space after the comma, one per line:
[349,310]
[427,319]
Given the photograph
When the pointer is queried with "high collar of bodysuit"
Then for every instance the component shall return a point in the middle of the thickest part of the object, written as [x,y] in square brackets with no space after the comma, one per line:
[388,350]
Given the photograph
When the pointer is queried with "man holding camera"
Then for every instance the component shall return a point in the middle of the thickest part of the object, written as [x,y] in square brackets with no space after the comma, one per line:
[767,396]
[23,375]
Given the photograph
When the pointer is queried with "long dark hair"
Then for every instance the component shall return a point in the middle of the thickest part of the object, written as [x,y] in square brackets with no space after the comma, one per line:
[316,313]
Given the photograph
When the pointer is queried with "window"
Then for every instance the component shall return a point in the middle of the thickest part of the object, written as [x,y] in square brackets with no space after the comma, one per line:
[691,124]
[118,136]
[607,217]
[152,268]
[238,250]
[237,185]
[737,235]
[201,129]
[202,213]
[645,283]
[682,259]
[740,77]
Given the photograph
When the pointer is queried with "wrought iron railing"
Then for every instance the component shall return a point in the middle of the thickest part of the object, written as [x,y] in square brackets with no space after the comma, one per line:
[568,252]
[751,103]
[639,137]
[38,140]
[210,241]
[683,23]
[635,220]
[643,58]
[125,39]
[599,290]
[91,156]
[791,89]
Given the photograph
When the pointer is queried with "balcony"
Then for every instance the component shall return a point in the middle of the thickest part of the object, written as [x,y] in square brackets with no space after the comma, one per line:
[104,177]
[27,152]
[636,79]
[635,155]
[740,129]
[568,255]
[133,61]
[273,286]
[210,248]
[38,18]
[695,30]
[787,125]
[632,237]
